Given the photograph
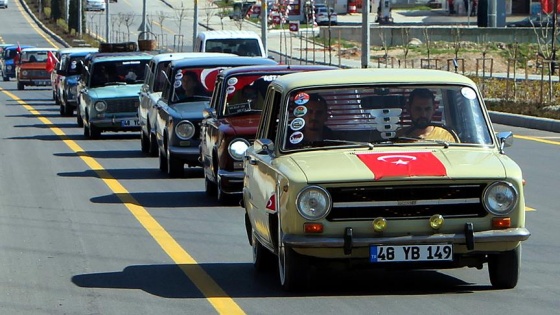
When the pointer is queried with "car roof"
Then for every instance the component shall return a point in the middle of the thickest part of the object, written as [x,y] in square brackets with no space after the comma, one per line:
[39,49]
[184,55]
[273,68]
[101,57]
[226,62]
[228,34]
[16,46]
[371,76]
[77,49]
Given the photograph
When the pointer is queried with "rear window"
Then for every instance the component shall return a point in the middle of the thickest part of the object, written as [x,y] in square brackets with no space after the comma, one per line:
[239,46]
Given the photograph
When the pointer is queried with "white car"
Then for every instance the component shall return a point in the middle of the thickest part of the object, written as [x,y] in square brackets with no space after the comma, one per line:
[4,4]
[95,5]
[322,15]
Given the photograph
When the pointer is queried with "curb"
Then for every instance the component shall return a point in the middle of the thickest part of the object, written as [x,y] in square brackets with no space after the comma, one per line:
[530,122]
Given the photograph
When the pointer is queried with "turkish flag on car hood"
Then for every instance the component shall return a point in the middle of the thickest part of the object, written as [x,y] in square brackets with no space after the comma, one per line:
[51,61]
[403,164]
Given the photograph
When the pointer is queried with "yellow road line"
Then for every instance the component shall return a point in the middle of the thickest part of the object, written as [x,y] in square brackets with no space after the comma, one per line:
[215,295]
[34,26]
[537,139]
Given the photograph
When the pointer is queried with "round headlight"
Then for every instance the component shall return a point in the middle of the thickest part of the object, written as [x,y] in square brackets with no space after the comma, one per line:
[500,198]
[9,67]
[184,130]
[24,72]
[237,148]
[313,203]
[74,90]
[100,106]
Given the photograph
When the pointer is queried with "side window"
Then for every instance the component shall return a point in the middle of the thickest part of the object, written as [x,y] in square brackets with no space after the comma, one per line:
[271,117]
[216,96]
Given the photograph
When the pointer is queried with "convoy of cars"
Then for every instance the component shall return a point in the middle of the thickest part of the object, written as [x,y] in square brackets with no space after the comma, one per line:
[230,124]
[348,167]
[9,60]
[382,168]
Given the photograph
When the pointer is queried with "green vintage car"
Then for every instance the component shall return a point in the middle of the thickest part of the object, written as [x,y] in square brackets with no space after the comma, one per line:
[382,168]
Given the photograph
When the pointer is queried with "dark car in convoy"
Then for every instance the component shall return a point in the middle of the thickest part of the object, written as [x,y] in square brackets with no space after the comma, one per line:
[65,84]
[7,62]
[190,83]
[150,93]
[57,76]
[230,123]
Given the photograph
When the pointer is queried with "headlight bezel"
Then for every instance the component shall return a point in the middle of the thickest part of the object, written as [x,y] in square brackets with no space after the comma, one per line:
[234,152]
[184,135]
[100,106]
[305,193]
[489,197]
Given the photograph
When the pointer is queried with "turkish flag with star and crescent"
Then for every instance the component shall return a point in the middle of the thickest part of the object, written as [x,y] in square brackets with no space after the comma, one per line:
[51,61]
[403,164]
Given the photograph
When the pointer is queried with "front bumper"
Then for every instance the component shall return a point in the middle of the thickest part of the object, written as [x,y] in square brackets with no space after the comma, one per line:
[231,182]
[490,236]
[120,123]
[33,82]
[189,154]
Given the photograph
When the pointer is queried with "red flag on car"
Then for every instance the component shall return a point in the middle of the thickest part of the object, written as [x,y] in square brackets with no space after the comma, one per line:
[403,164]
[18,53]
[51,61]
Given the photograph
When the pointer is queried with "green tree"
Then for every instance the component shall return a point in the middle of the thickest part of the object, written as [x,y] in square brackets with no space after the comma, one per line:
[56,9]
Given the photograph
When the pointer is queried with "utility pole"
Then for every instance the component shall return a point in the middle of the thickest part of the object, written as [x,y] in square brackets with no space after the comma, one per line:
[107,24]
[195,23]
[554,30]
[80,12]
[366,30]
[144,26]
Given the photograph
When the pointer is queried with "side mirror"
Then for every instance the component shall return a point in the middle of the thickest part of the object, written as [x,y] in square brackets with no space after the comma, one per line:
[208,113]
[506,140]
[264,146]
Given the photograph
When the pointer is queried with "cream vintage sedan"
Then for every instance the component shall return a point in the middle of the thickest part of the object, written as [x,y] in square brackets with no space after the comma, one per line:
[385,168]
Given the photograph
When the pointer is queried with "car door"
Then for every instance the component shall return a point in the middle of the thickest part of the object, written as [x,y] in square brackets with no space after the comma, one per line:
[144,95]
[260,182]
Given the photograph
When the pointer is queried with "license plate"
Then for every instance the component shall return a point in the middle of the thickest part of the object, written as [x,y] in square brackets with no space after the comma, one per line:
[43,83]
[130,123]
[410,253]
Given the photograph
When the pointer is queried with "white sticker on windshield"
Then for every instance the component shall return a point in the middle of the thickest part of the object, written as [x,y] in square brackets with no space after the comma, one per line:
[296,137]
[232,81]
[230,89]
[179,75]
[177,84]
[468,93]
[297,123]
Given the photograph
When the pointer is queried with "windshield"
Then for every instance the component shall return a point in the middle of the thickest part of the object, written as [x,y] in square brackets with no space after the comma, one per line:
[385,115]
[245,93]
[33,56]
[193,84]
[239,46]
[72,68]
[118,72]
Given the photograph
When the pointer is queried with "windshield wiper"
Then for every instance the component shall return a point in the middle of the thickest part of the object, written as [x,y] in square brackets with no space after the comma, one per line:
[360,143]
[445,144]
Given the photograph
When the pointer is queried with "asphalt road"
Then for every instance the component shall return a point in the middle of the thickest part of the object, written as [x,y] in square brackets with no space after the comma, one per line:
[93,227]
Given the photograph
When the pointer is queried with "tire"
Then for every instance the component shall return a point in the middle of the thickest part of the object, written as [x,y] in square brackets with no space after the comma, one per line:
[86,130]
[62,111]
[504,268]
[209,187]
[20,86]
[262,258]
[175,168]
[153,146]
[79,120]
[144,142]
[6,79]
[94,132]
[162,162]
[68,110]
[292,267]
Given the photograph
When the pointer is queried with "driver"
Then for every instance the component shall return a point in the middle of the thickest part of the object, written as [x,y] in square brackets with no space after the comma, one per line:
[421,108]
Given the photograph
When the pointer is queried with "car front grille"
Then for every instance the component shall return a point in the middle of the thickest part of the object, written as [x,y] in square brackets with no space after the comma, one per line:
[406,202]
[37,74]
[125,105]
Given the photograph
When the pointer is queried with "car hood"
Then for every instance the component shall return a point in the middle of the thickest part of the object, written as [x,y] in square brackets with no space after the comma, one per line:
[189,110]
[354,166]
[242,125]
[115,91]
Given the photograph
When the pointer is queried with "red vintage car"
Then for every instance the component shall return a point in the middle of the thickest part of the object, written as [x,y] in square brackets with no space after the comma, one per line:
[230,124]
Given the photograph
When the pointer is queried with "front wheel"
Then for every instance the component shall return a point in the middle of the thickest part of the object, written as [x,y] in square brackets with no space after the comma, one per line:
[175,167]
[144,142]
[503,268]
[292,267]
[262,258]
[20,86]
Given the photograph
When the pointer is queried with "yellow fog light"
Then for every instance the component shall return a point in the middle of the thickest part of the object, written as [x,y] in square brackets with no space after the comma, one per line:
[436,221]
[379,224]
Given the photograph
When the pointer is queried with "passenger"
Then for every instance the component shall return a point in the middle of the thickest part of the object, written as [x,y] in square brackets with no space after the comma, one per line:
[315,118]
[190,87]
[421,108]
